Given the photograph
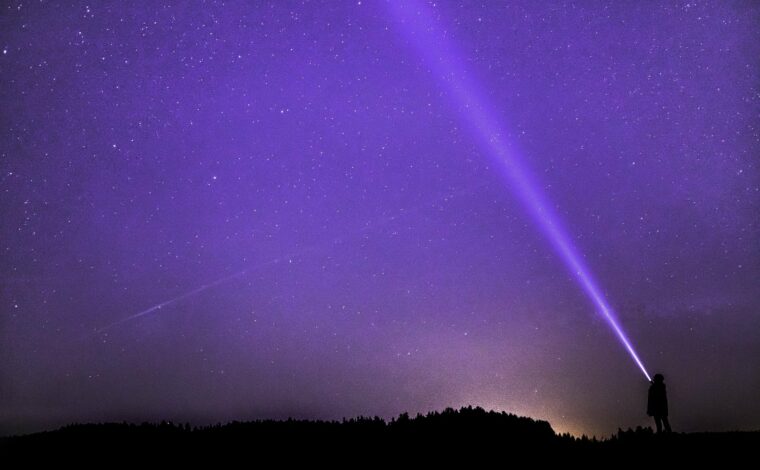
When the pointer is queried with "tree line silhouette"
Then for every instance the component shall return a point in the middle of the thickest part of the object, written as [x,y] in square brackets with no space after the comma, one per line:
[469,430]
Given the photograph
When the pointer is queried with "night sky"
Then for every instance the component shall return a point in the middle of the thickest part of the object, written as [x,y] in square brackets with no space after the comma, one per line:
[238,210]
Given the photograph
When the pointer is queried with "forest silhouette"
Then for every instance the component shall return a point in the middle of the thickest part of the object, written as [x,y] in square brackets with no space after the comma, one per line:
[469,431]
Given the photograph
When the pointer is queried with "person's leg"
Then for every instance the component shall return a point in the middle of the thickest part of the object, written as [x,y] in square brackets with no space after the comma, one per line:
[666,423]
[658,423]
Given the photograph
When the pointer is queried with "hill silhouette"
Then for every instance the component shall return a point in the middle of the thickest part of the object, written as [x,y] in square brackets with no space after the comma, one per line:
[469,431]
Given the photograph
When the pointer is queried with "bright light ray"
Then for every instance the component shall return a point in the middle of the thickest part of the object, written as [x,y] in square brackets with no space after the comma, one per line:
[422,30]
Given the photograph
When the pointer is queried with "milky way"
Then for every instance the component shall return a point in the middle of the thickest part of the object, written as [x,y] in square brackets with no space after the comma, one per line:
[326,236]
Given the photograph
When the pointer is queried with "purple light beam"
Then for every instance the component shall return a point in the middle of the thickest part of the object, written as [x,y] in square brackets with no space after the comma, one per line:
[441,56]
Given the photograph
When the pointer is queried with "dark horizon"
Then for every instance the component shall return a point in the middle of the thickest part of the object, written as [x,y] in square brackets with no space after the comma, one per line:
[230,211]
[691,414]
[455,425]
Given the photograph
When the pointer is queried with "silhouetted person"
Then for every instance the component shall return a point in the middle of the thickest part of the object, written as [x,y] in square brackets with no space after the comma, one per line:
[657,404]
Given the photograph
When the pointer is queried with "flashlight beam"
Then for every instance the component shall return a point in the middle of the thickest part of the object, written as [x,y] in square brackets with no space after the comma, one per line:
[425,33]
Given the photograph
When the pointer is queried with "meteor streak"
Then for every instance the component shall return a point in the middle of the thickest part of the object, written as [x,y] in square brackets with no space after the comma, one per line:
[183,296]
[431,43]
[372,224]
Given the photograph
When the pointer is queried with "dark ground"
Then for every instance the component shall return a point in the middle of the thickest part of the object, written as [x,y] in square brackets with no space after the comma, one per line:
[469,433]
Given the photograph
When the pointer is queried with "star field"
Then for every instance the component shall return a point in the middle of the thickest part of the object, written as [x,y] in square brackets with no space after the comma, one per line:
[231,210]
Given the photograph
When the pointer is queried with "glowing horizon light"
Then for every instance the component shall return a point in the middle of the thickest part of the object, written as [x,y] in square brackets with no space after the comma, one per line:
[441,56]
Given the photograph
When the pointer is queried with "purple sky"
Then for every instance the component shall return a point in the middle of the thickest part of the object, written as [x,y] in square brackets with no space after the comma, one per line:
[327,235]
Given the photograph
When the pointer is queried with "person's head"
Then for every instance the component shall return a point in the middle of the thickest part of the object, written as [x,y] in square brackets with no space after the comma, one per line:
[658,378]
